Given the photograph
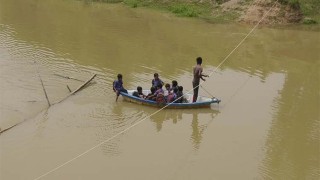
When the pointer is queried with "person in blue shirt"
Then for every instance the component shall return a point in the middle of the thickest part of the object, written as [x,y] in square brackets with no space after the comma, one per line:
[156,81]
[118,86]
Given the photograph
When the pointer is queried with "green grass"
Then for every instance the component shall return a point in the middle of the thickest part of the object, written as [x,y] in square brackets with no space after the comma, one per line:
[309,8]
[206,10]
[187,10]
[183,9]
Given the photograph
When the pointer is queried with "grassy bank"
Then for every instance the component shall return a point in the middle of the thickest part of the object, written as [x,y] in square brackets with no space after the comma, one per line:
[179,7]
[221,10]
[310,9]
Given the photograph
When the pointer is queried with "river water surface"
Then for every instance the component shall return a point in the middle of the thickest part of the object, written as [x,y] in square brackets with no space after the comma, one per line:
[266,127]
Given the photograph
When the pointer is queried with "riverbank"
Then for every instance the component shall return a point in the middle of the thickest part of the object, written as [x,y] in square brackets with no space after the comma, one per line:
[245,11]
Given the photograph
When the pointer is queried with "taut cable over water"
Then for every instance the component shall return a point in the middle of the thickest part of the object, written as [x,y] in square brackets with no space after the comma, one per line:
[143,119]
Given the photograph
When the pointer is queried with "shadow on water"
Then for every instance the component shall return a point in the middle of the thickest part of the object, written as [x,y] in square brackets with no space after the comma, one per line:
[198,125]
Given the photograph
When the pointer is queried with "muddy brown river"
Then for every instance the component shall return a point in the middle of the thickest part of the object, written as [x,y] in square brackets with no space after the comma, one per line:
[266,127]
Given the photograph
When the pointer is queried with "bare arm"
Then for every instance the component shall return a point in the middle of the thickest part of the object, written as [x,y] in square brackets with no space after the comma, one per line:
[202,75]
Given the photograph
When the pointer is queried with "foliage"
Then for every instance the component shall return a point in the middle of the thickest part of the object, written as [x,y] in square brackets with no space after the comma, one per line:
[186,10]
[309,8]
[131,3]
[295,4]
[309,21]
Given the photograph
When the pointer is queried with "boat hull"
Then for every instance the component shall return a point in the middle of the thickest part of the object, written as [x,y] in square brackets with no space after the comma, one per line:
[203,102]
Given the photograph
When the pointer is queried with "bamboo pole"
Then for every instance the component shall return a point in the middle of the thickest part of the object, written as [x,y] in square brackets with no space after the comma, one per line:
[73,92]
[6,129]
[44,90]
[69,88]
[78,89]
[68,77]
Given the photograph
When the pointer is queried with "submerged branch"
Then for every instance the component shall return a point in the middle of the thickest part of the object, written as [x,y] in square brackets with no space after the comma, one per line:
[68,77]
[78,89]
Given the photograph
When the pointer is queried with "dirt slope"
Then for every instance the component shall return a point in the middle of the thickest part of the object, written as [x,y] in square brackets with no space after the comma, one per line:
[252,12]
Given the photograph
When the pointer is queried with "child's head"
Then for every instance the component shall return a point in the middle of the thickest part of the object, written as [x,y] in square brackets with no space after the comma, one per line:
[174,83]
[180,88]
[156,76]
[153,90]
[119,76]
[167,86]
[139,89]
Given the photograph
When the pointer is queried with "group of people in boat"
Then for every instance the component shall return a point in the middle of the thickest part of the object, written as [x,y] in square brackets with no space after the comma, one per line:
[171,93]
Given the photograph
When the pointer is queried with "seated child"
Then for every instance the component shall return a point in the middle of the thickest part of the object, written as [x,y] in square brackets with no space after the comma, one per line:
[174,85]
[167,90]
[172,95]
[159,90]
[151,95]
[183,99]
[160,95]
[139,93]
[180,96]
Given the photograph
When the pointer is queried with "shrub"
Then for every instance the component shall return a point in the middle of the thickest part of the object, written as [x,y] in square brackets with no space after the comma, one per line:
[295,4]
[184,10]
[309,21]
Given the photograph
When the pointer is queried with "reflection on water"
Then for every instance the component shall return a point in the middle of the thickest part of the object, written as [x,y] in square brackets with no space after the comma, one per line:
[198,128]
[267,124]
[197,131]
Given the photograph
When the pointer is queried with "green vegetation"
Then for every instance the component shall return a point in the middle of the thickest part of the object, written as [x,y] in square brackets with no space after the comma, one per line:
[184,8]
[212,11]
[295,4]
[309,8]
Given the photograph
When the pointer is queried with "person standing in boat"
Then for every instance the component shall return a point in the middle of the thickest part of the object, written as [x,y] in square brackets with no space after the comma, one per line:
[156,81]
[197,75]
[118,86]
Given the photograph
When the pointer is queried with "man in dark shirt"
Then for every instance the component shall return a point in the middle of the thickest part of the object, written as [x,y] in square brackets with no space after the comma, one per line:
[197,75]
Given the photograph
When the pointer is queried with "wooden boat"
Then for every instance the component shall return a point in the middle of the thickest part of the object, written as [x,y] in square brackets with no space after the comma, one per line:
[202,102]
